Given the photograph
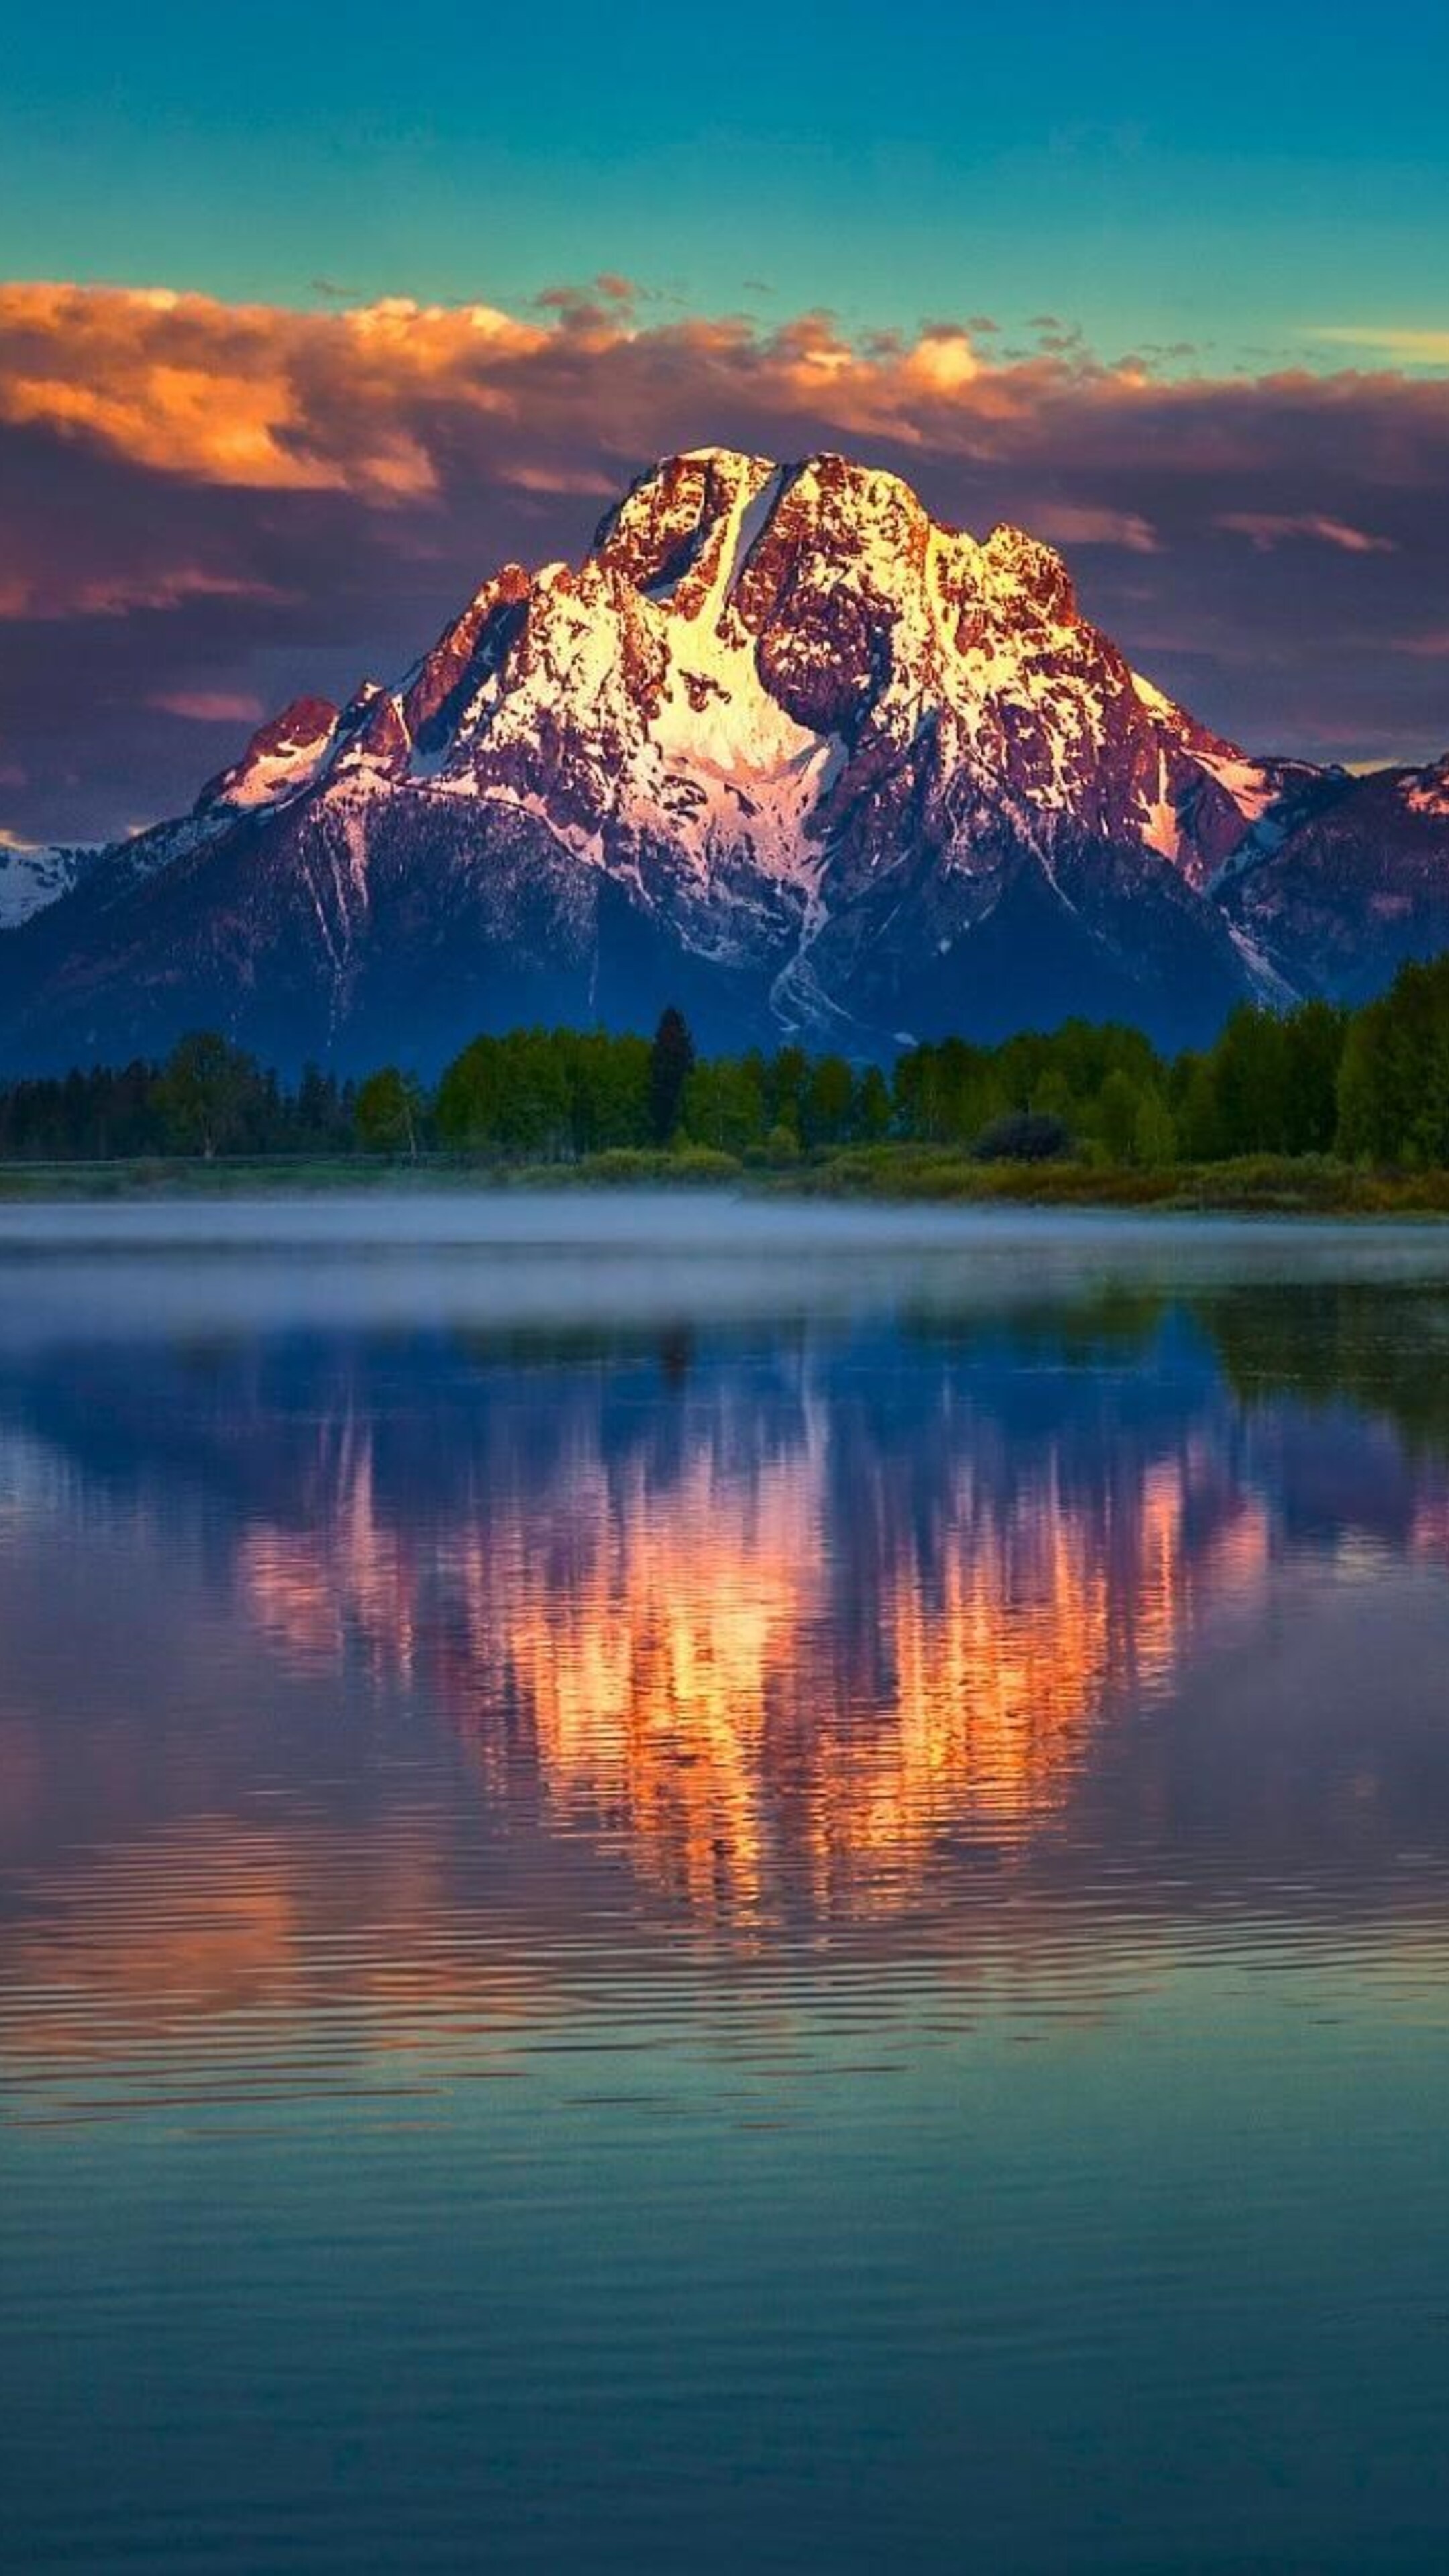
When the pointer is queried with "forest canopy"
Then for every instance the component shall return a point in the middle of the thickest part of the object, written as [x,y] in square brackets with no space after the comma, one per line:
[1371,1087]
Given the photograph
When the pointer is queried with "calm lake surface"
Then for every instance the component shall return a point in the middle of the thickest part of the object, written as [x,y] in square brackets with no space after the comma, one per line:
[706,1887]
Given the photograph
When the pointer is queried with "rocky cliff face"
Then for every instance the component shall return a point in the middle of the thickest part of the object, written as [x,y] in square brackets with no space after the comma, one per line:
[783,749]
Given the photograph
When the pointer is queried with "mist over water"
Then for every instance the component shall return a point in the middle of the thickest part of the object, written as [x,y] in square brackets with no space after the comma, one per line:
[575,1257]
[707,1881]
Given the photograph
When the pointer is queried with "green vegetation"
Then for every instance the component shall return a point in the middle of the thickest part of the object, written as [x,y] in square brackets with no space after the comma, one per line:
[389,1113]
[1316,1109]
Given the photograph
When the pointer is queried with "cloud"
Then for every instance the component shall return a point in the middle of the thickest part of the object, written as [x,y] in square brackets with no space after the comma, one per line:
[121,594]
[1432,646]
[1077,523]
[246,394]
[389,402]
[217,504]
[209,706]
[1403,348]
[583,479]
[1268,528]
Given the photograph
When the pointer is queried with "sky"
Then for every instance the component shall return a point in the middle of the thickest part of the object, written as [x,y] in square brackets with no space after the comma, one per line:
[312,319]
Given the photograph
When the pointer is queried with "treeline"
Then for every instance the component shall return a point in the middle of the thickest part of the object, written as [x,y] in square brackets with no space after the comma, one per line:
[553,1094]
[1370,1086]
[207,1098]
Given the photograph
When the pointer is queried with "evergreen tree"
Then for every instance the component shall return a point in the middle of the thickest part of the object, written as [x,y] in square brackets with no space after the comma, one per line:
[671,1062]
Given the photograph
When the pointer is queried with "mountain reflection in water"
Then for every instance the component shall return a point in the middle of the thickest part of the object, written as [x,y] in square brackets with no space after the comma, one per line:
[534,1746]
[787,1618]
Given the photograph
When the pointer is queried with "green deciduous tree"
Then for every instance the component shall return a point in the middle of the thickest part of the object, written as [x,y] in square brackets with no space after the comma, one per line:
[724,1103]
[1393,1085]
[1117,1110]
[872,1112]
[827,1101]
[1154,1135]
[203,1092]
[389,1111]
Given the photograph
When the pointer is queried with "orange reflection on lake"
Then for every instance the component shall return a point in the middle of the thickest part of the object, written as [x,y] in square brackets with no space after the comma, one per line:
[700,1668]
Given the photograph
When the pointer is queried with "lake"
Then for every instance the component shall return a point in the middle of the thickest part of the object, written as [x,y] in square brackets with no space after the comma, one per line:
[705,1885]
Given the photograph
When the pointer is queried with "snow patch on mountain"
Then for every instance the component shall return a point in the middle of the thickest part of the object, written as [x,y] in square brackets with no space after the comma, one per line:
[284,756]
[1248,782]
[32,878]
[1267,985]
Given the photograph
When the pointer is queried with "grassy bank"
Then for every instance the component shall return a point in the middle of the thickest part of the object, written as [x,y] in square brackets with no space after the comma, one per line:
[1307,1185]
[888,1174]
[304,1176]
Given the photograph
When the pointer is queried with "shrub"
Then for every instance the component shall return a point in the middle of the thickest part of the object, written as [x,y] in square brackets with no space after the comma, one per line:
[1024,1136]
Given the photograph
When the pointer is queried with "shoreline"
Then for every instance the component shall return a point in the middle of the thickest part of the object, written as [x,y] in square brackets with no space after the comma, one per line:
[902,1177]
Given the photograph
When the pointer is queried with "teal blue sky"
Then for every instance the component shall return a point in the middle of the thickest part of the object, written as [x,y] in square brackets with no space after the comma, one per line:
[1240,178]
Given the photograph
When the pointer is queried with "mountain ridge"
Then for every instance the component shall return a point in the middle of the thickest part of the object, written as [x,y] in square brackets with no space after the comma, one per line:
[781,747]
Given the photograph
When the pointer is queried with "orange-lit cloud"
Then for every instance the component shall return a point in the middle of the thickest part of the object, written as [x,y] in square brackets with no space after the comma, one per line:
[245,394]
[372,400]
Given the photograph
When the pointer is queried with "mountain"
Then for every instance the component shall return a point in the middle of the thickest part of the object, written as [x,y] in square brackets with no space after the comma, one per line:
[32,878]
[782,749]
[1361,884]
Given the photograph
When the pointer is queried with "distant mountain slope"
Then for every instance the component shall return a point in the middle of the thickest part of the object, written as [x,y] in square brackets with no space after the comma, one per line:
[31,879]
[1361,884]
[782,749]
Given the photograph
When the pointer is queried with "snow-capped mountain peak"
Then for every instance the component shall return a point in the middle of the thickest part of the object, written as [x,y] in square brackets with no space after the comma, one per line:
[745,650]
[745,634]
[780,741]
